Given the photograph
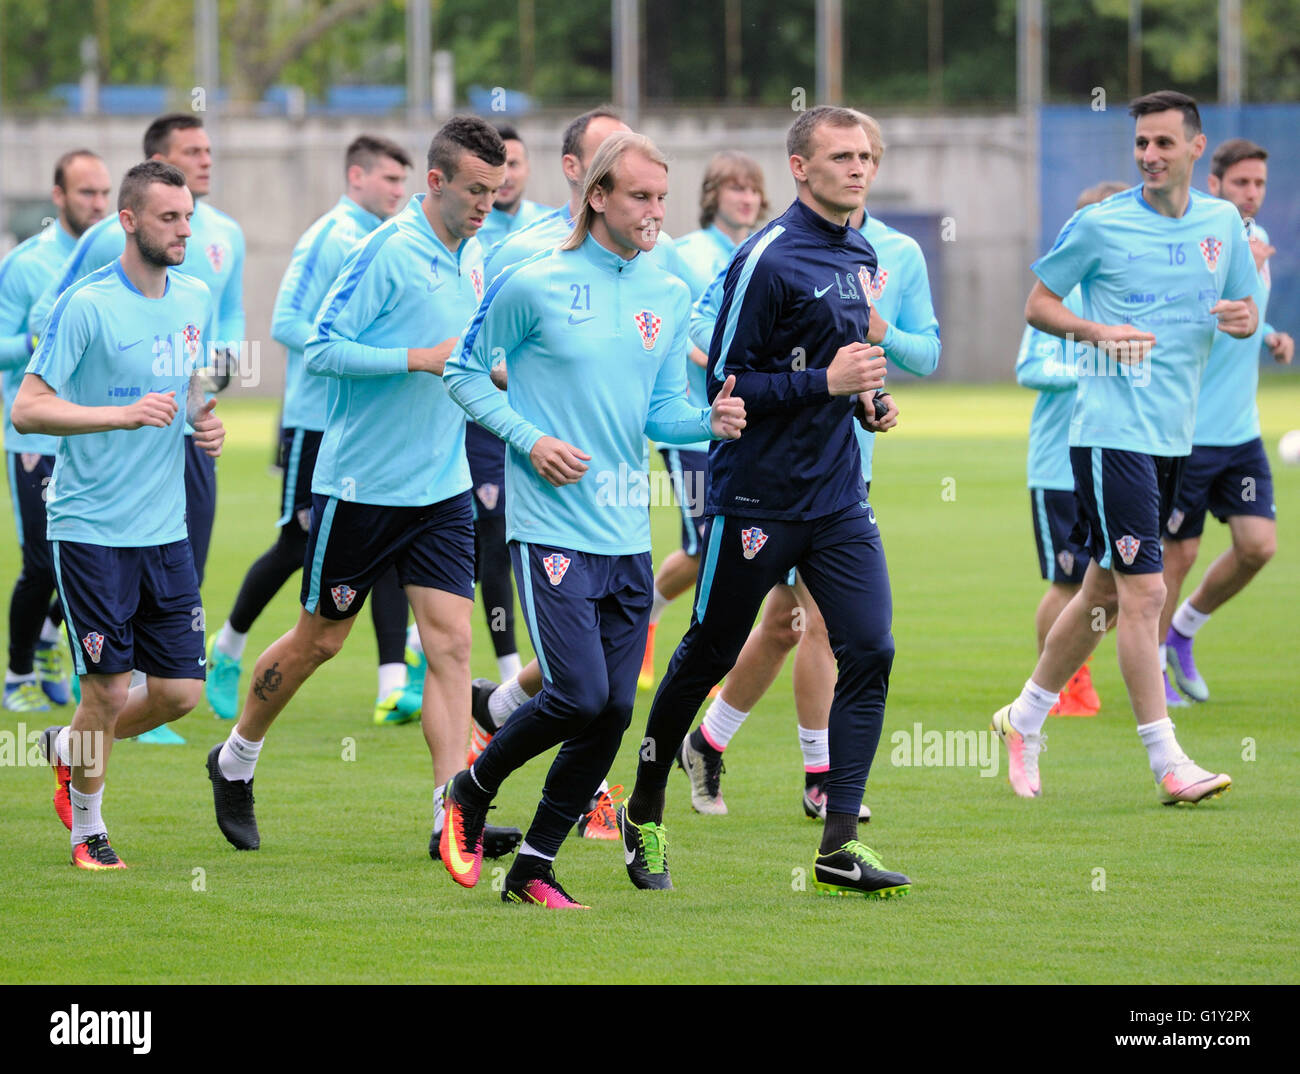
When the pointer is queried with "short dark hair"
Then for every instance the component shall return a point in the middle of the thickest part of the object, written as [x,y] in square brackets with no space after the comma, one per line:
[571,144]
[1234,151]
[799,139]
[465,134]
[61,165]
[1167,101]
[159,135]
[139,179]
[366,149]
[508,133]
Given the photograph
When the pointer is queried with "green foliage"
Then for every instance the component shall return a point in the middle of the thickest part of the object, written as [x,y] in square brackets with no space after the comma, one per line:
[319,43]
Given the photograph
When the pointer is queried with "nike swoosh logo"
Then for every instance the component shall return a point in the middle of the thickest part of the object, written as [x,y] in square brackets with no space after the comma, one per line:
[629,856]
[855,875]
[434,286]
[202,660]
[1138,257]
[583,320]
[817,293]
[82,808]
[128,346]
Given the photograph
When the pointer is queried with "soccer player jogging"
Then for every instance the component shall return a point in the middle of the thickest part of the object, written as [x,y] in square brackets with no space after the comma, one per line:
[1161,256]
[112,377]
[1043,365]
[487,455]
[904,324]
[382,335]
[584,135]
[599,313]
[1227,472]
[375,174]
[792,328]
[38,663]
[732,201]
[214,254]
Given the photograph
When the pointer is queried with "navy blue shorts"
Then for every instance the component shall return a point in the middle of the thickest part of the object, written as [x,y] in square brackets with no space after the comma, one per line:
[686,470]
[29,474]
[297,462]
[128,608]
[487,470]
[200,501]
[351,544]
[1123,499]
[1225,481]
[1055,513]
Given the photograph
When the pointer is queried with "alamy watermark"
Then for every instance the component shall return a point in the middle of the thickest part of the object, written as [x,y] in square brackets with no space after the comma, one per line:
[919,748]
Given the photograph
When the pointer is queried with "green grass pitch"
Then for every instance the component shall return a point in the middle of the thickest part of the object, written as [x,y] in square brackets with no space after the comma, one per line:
[1095,882]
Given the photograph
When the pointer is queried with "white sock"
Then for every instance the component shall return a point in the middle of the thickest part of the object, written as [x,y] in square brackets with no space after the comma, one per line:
[238,757]
[509,666]
[86,820]
[50,634]
[391,677]
[658,605]
[231,642]
[413,637]
[12,677]
[138,678]
[439,810]
[1162,748]
[504,700]
[526,849]
[720,723]
[1029,710]
[1187,620]
[815,743]
[61,746]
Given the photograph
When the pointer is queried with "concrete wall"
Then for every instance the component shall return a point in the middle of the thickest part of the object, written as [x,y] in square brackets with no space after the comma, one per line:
[275,176]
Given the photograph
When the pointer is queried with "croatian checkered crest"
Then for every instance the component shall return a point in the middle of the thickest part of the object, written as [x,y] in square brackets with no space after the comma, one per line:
[648,325]
[1128,549]
[555,566]
[1210,249]
[752,541]
[343,596]
[94,644]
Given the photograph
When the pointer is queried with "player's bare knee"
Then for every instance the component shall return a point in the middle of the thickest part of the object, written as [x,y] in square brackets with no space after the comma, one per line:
[447,646]
[321,645]
[1253,554]
[175,697]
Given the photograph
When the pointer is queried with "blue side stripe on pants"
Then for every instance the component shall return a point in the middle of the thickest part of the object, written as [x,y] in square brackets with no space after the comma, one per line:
[1049,552]
[291,477]
[533,627]
[318,560]
[710,565]
[78,660]
[1101,508]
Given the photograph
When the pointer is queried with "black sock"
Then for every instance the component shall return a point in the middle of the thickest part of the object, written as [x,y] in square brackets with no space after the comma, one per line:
[813,779]
[702,745]
[527,866]
[644,805]
[467,791]
[840,828]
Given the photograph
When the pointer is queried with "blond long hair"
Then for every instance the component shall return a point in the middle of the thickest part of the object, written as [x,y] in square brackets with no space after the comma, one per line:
[601,174]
